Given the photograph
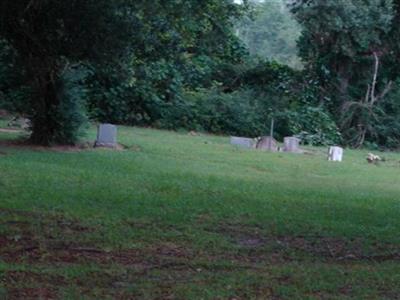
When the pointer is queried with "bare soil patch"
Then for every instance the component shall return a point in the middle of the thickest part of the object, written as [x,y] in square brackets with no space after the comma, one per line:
[31,294]
[39,239]
[253,241]
[48,241]
[25,144]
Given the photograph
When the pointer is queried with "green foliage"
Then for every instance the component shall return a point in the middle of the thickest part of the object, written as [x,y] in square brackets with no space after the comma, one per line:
[245,100]
[271,33]
[386,125]
[341,43]
[313,126]
[179,64]
[14,93]
[49,36]
[237,113]
[179,45]
[71,112]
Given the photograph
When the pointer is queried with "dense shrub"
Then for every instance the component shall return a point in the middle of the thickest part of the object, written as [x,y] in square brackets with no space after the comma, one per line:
[71,112]
[313,126]
[247,113]
[237,113]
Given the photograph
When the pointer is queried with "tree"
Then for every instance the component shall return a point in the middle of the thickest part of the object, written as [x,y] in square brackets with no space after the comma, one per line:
[346,44]
[51,39]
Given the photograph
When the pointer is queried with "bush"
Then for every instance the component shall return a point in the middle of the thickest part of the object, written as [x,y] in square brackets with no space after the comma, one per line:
[71,114]
[313,126]
[237,113]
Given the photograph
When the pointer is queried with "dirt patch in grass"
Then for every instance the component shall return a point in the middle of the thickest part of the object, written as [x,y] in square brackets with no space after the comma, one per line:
[31,294]
[50,244]
[28,237]
[48,241]
[25,144]
[253,241]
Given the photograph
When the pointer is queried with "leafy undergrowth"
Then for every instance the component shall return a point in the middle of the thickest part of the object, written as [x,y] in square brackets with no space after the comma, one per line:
[176,216]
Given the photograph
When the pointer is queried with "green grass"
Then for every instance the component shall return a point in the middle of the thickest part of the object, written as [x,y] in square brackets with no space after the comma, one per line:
[191,217]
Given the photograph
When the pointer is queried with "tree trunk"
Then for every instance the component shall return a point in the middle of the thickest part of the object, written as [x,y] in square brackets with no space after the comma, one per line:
[44,105]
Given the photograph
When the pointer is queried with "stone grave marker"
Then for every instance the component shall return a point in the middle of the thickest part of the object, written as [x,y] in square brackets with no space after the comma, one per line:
[19,122]
[106,136]
[242,142]
[267,143]
[291,144]
[335,154]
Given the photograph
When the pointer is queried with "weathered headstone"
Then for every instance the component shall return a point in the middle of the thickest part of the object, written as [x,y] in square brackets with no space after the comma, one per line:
[243,142]
[335,154]
[106,136]
[267,143]
[19,122]
[291,144]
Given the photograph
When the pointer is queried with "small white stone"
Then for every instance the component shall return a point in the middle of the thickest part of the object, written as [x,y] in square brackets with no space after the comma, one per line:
[335,154]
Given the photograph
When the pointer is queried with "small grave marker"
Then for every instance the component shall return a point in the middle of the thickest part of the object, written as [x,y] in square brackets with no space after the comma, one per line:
[19,122]
[267,143]
[291,144]
[106,136]
[243,142]
[335,154]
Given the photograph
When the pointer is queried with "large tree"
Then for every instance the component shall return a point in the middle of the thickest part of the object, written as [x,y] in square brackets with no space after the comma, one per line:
[348,45]
[50,37]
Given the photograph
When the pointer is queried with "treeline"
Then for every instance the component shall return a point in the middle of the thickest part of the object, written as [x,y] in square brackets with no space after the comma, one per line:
[180,64]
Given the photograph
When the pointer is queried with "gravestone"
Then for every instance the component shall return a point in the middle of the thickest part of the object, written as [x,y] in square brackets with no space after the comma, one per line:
[335,154]
[267,143]
[243,142]
[291,144]
[19,122]
[106,136]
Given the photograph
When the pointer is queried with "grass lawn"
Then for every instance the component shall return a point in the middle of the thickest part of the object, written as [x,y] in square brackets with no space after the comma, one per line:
[176,216]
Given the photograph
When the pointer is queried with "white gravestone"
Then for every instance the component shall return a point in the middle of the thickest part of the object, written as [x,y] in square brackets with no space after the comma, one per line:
[242,142]
[291,144]
[106,136]
[335,154]
[267,143]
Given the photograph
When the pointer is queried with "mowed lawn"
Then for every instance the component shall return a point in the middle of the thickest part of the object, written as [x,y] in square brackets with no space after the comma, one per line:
[181,216]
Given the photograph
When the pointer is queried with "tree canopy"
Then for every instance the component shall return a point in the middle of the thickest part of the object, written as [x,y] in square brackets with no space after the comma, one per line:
[348,45]
[51,40]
